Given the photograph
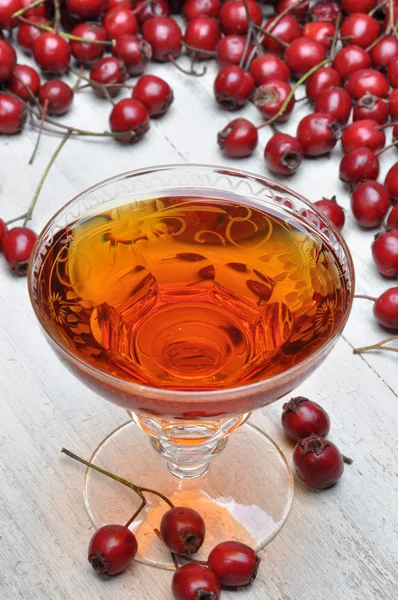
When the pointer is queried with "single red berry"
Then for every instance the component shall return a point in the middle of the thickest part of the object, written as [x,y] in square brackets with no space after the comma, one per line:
[8,60]
[384,52]
[298,10]
[391,182]
[7,9]
[233,17]
[267,68]
[85,9]
[370,202]
[147,10]
[195,582]
[385,252]
[165,37]
[392,219]
[24,82]
[17,246]
[27,33]
[363,133]
[233,87]
[36,11]
[318,462]
[119,21]
[154,93]
[392,72]
[52,53]
[321,32]
[351,59]
[323,79]
[230,50]
[393,103]
[362,6]
[234,563]
[182,530]
[238,139]
[112,548]
[302,417]
[12,114]
[367,80]
[201,8]
[318,134]
[337,102]
[270,97]
[202,33]
[325,10]
[3,230]
[361,29]
[107,71]
[336,214]
[371,107]
[134,52]
[283,154]
[87,53]
[57,96]
[359,165]
[303,54]
[385,309]
[285,29]
[130,119]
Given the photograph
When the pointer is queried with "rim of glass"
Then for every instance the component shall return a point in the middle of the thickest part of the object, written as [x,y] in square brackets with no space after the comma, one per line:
[181,395]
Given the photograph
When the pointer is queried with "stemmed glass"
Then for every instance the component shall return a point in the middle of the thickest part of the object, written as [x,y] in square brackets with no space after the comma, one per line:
[247,492]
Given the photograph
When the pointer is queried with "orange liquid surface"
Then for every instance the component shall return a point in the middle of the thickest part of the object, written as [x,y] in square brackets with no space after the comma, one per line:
[191,293]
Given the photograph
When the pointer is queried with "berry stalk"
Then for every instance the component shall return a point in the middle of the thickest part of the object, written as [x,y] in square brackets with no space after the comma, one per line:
[136,488]
[44,176]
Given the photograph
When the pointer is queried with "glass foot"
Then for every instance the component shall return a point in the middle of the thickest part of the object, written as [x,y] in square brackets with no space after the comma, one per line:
[246,494]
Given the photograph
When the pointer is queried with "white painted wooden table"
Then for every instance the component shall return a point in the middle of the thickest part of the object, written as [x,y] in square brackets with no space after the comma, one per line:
[338,544]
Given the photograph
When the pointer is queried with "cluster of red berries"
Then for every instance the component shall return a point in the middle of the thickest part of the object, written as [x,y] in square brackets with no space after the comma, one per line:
[256,57]
[318,462]
[230,564]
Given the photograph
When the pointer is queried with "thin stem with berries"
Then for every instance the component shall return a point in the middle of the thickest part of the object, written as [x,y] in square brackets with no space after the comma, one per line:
[64,34]
[23,10]
[44,176]
[292,91]
[136,488]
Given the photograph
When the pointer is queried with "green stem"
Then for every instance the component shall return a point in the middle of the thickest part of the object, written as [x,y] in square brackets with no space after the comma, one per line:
[43,116]
[68,36]
[136,488]
[21,11]
[43,177]
[378,346]
[57,15]
[266,33]
[292,91]
[15,219]
[335,37]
